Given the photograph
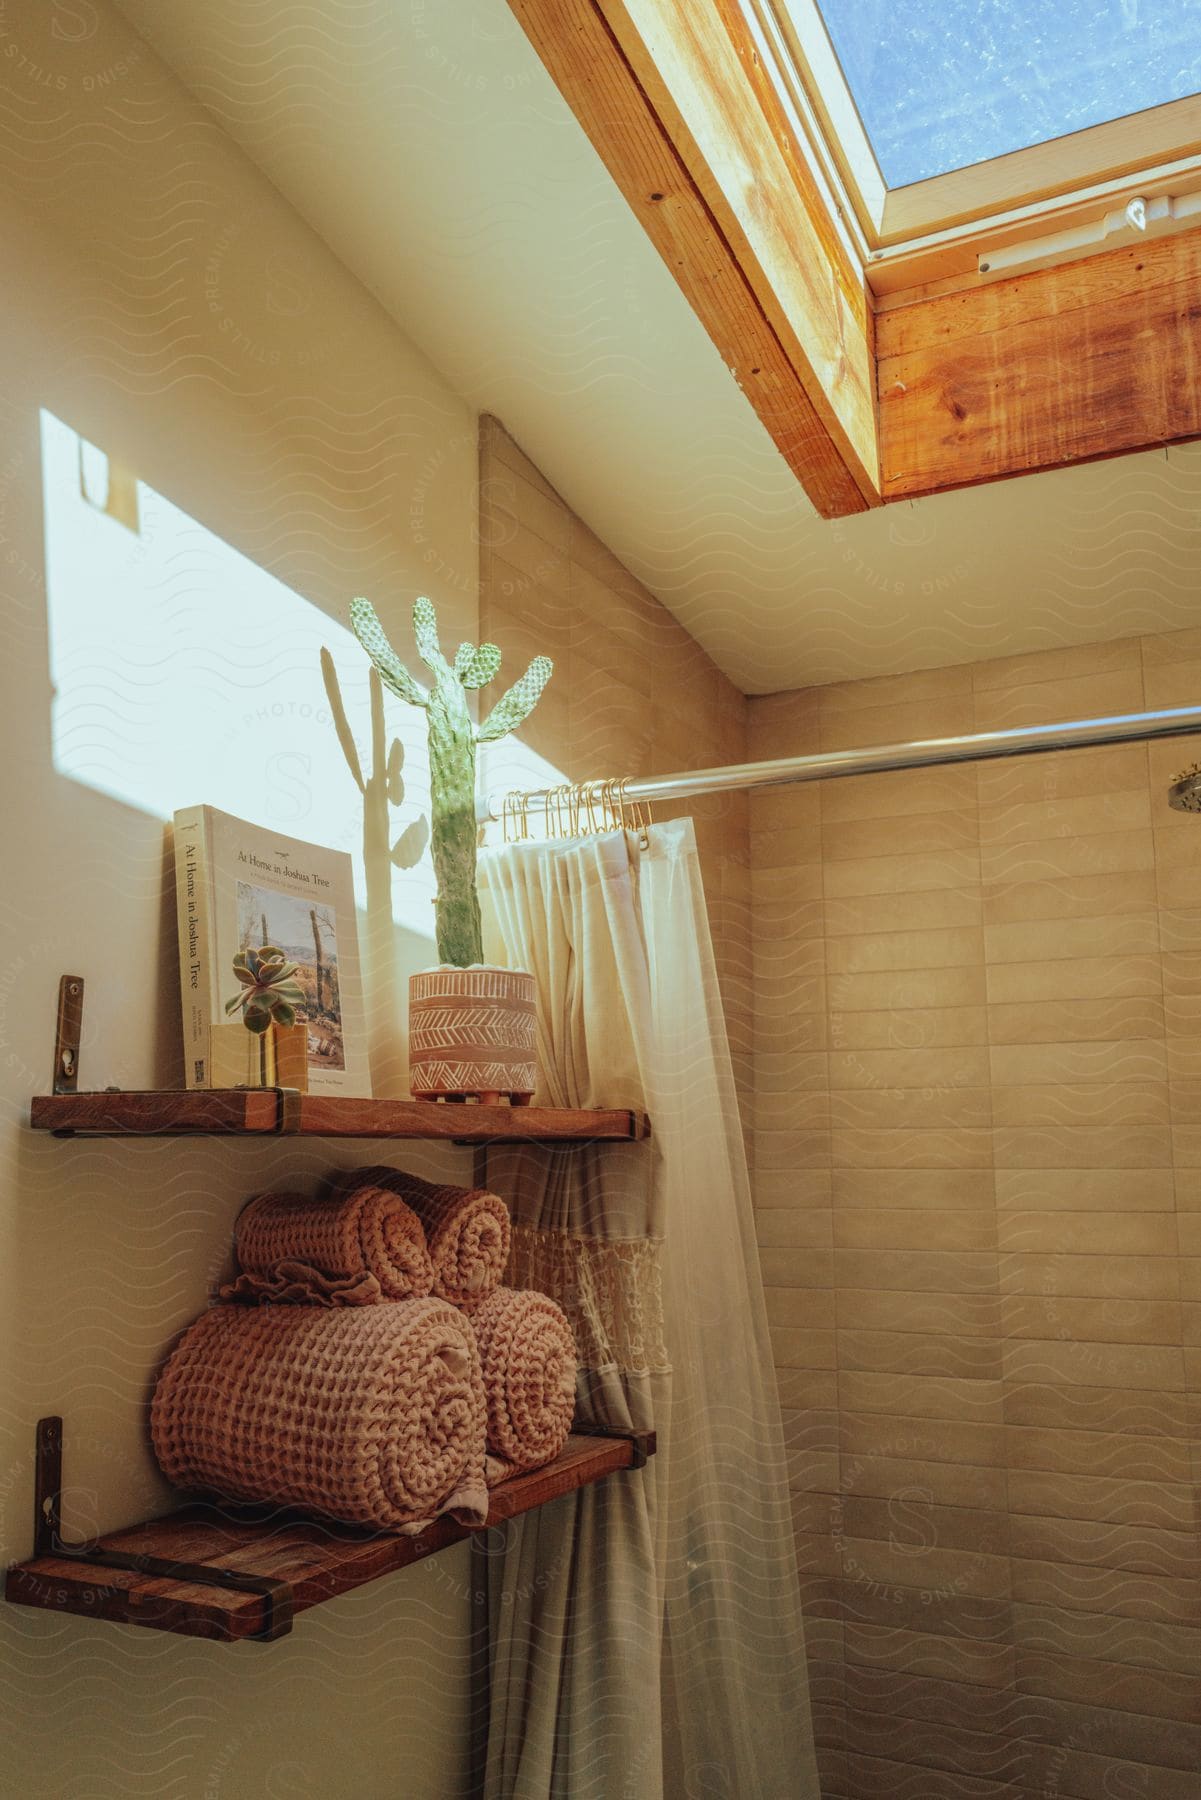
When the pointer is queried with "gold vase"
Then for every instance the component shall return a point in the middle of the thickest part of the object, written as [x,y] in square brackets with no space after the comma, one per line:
[277,1057]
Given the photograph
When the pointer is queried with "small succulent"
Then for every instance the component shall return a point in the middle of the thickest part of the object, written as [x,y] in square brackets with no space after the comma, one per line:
[270,993]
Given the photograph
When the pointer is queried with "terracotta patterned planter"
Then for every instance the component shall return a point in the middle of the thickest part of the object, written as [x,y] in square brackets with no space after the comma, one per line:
[472,1034]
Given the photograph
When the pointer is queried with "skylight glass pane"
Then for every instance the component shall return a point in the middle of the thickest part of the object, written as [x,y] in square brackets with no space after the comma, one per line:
[943,83]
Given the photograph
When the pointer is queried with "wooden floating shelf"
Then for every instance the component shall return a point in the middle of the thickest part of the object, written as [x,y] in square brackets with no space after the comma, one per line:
[272,1112]
[301,1560]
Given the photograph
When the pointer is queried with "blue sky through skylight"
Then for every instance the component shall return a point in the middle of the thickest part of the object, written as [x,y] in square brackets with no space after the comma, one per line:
[943,83]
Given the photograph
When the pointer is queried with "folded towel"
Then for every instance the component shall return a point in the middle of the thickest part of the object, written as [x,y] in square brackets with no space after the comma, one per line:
[372,1414]
[466,1229]
[362,1245]
[529,1361]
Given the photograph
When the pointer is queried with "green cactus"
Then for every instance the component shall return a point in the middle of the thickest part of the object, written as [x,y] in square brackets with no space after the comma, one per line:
[452,738]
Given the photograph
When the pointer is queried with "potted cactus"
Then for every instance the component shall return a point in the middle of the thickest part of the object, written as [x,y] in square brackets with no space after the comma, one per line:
[471,1024]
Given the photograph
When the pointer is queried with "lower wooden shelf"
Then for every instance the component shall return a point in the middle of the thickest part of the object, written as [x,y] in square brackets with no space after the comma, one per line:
[296,1562]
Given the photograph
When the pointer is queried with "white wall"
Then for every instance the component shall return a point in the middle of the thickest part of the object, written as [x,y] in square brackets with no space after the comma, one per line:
[160,301]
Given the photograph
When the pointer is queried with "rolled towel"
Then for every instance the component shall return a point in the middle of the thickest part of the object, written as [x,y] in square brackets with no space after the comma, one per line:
[373,1415]
[466,1229]
[528,1357]
[362,1245]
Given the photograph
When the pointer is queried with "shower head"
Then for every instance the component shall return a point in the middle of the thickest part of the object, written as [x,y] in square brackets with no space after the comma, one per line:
[1185,792]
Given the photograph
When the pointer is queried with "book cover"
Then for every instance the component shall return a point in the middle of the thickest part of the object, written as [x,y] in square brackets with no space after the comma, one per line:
[239,886]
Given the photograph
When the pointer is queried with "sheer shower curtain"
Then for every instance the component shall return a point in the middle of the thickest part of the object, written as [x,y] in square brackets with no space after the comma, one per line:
[645,1636]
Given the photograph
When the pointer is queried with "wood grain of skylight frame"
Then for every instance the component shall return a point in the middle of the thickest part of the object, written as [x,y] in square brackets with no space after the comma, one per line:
[806,65]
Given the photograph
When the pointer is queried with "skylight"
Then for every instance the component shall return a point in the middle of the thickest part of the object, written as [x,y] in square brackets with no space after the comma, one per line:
[941,84]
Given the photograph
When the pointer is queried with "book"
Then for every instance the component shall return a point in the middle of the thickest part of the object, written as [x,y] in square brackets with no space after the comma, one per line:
[238,886]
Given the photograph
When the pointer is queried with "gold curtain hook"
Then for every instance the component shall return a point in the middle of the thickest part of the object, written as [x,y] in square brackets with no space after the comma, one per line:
[637,815]
[577,809]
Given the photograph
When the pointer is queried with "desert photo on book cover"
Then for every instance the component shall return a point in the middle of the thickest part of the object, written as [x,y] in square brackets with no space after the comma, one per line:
[308,936]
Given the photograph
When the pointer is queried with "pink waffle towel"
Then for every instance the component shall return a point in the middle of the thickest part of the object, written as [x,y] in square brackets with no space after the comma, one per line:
[373,1415]
[528,1357]
[361,1245]
[466,1229]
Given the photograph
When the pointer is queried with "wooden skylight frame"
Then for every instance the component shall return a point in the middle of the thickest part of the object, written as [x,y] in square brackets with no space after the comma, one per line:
[887,366]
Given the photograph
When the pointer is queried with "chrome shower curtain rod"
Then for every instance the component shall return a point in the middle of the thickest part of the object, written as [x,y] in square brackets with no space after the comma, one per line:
[921,753]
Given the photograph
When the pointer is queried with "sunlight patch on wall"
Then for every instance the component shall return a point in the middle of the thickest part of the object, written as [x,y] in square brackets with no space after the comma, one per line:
[184,673]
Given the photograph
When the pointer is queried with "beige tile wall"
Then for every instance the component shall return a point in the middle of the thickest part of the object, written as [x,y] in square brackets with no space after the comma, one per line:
[632,693]
[977,1063]
[977,1035]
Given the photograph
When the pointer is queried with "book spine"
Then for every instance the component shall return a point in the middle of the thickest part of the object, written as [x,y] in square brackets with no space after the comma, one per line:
[193,911]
